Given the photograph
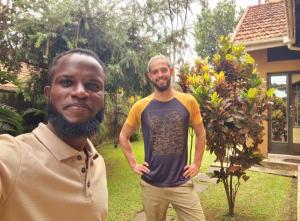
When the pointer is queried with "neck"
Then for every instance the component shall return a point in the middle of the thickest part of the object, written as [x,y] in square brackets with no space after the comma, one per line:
[163,95]
[78,143]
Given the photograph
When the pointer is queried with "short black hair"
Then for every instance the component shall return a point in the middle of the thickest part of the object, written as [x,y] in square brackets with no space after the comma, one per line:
[73,51]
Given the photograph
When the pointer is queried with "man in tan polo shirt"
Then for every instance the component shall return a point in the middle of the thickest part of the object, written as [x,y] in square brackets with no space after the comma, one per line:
[54,173]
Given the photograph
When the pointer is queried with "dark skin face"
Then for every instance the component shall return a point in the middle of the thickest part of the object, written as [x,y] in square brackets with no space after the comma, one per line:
[76,91]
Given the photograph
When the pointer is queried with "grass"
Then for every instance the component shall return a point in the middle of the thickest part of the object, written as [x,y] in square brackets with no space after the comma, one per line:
[123,184]
[263,197]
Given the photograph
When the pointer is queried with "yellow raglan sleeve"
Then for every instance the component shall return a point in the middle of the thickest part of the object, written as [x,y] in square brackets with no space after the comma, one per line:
[135,113]
[134,116]
[196,117]
[192,106]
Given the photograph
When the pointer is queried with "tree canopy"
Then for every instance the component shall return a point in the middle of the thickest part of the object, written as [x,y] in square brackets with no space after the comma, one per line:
[212,23]
[125,34]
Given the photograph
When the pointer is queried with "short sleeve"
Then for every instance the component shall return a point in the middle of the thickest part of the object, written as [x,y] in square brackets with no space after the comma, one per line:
[134,117]
[196,117]
[10,161]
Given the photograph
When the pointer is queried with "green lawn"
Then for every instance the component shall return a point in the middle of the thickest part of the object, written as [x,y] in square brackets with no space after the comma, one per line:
[263,197]
[123,184]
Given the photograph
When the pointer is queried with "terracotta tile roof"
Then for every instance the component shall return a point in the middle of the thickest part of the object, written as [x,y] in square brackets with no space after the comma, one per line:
[260,22]
[8,87]
[24,73]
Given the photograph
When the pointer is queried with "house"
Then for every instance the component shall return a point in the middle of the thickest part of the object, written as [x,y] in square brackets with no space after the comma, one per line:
[271,35]
[8,90]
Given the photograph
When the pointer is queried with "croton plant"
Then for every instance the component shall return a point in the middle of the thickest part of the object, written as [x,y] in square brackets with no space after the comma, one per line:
[234,103]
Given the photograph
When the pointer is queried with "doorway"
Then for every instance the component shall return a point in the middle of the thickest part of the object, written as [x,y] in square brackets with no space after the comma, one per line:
[284,122]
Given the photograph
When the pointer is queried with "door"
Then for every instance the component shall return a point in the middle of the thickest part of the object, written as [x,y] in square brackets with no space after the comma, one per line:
[284,123]
[295,113]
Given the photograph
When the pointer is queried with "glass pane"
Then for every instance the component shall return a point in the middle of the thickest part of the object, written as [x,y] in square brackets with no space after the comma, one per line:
[279,127]
[295,107]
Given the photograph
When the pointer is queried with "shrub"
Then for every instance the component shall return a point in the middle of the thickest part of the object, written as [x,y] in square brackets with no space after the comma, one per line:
[234,105]
[32,117]
[10,121]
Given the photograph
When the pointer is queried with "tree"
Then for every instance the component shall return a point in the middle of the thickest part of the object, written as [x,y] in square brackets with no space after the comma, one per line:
[234,106]
[212,23]
[34,32]
[167,20]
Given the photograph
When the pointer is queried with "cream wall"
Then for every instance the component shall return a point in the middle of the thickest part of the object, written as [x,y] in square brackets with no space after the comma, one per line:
[264,67]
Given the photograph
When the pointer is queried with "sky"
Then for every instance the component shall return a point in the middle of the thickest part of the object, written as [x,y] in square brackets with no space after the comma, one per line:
[190,53]
[240,3]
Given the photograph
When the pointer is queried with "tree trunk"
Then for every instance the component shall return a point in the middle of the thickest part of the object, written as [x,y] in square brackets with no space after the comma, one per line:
[232,199]
[229,195]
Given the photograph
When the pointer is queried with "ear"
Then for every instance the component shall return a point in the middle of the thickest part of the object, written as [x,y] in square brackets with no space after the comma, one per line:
[47,90]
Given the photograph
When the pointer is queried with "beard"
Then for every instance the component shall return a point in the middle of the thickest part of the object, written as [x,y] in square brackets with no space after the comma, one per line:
[65,129]
[163,87]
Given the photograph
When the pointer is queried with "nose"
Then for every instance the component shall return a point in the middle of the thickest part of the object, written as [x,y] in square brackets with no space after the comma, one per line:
[79,91]
[160,73]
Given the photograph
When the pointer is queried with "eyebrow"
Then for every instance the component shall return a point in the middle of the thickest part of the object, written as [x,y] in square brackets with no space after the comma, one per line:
[66,75]
[156,69]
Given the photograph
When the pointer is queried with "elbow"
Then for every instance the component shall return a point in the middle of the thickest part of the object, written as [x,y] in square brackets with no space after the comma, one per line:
[122,139]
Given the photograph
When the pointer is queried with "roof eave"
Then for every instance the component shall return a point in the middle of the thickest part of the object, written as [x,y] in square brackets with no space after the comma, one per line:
[291,23]
[7,89]
[263,43]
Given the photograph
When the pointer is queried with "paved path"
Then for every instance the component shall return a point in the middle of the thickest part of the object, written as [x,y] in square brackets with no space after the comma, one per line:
[201,183]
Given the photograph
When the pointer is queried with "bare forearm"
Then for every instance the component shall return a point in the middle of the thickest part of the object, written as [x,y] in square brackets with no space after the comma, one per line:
[127,150]
[199,149]
[200,143]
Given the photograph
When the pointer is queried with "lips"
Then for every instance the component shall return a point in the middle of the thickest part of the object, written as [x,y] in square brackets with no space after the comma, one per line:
[161,81]
[77,106]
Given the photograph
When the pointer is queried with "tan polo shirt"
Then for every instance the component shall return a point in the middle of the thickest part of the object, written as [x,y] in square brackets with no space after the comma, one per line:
[44,179]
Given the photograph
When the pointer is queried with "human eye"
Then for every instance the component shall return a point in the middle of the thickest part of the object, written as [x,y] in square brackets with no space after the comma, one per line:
[66,82]
[164,70]
[154,72]
[93,86]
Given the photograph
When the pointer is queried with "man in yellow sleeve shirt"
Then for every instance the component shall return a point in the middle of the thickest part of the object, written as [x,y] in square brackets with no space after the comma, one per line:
[165,116]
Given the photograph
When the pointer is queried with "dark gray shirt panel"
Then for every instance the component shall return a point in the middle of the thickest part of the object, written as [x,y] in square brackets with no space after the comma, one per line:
[165,132]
